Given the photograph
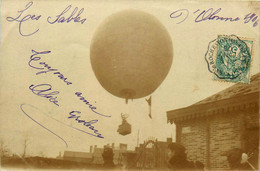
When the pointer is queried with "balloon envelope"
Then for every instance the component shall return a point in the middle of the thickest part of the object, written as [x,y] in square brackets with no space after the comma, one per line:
[131,53]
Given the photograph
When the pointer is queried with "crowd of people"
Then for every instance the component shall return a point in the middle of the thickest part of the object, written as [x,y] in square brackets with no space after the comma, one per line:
[237,159]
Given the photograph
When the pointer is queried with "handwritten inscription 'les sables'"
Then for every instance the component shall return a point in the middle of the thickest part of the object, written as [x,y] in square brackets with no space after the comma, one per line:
[23,17]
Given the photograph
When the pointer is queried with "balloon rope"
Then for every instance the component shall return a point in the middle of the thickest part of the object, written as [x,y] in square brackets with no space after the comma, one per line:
[124,116]
[251,165]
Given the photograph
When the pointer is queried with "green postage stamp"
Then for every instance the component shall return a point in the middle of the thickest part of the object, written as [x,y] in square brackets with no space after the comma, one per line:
[229,58]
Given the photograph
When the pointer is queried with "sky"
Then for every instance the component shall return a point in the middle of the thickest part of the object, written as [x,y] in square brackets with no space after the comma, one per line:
[187,82]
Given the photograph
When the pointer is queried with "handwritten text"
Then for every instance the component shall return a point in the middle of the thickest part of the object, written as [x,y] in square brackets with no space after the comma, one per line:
[212,15]
[24,16]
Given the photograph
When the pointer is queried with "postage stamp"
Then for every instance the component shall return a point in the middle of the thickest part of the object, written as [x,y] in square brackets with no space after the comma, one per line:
[229,58]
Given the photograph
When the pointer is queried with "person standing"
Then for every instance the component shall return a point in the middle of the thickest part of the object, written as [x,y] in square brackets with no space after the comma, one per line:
[108,157]
[178,158]
[238,160]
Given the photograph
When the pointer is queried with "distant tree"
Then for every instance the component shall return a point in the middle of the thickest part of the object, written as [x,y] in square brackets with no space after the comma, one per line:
[25,145]
[41,154]
[4,151]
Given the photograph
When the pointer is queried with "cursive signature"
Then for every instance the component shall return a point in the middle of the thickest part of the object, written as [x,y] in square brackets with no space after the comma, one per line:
[35,63]
[32,107]
[73,114]
[212,15]
[29,109]
[43,90]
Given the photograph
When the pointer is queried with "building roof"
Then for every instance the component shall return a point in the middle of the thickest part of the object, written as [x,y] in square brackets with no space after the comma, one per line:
[235,90]
[76,154]
[236,97]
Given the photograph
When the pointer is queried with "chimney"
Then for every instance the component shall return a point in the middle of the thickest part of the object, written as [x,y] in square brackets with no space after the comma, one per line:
[95,146]
[113,145]
[90,149]
[169,140]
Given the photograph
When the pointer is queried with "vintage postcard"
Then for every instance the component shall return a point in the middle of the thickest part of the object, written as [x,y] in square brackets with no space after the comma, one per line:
[129,85]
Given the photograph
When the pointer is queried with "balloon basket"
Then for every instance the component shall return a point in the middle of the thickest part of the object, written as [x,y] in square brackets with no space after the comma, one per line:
[125,127]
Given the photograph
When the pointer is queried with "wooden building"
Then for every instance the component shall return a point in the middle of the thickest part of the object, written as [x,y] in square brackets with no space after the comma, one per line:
[226,120]
[77,156]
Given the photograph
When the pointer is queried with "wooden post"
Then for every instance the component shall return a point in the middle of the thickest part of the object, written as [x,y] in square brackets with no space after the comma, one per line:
[208,143]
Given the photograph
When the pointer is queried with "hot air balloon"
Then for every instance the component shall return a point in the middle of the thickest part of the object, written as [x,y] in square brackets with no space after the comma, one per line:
[131,53]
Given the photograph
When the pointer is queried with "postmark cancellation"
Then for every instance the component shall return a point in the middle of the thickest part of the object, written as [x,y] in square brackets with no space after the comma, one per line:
[229,58]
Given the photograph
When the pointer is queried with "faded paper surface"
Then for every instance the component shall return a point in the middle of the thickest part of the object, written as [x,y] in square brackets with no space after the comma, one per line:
[32,125]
